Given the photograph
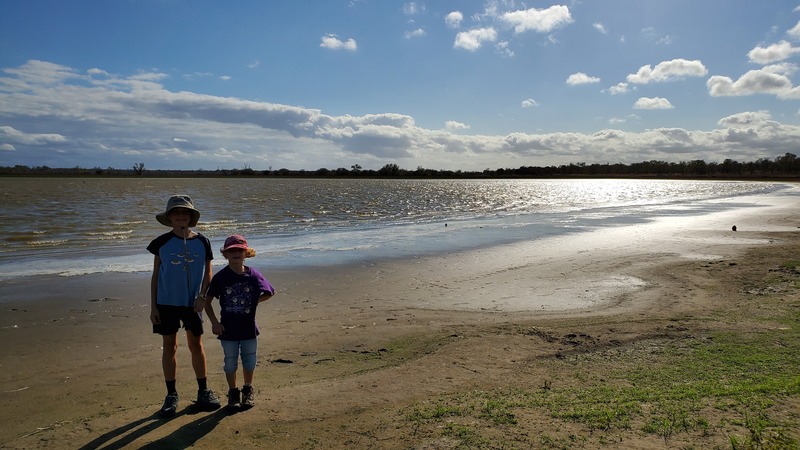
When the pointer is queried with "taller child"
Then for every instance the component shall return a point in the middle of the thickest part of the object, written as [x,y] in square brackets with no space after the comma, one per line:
[181,274]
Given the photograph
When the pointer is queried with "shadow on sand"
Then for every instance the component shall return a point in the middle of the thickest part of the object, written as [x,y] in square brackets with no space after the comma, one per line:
[183,437]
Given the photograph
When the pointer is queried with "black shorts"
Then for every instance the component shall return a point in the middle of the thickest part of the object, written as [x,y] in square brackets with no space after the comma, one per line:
[172,316]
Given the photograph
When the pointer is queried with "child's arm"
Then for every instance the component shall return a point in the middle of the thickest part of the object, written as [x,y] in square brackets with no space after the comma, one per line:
[155,318]
[201,301]
[216,327]
[264,297]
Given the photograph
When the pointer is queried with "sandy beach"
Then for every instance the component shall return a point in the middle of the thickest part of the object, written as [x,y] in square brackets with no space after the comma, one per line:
[345,352]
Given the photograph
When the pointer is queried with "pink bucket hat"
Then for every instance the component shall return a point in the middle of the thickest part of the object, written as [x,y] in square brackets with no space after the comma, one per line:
[238,241]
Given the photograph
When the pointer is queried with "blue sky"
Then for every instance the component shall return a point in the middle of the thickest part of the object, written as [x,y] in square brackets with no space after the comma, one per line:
[462,85]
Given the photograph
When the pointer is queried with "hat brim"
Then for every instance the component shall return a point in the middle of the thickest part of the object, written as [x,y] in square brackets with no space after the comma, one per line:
[249,252]
[234,246]
[163,218]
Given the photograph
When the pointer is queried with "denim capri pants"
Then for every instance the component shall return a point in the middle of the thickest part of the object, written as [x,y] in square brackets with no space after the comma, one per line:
[233,349]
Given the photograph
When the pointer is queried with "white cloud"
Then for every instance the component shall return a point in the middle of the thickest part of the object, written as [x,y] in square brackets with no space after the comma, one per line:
[538,20]
[529,103]
[665,40]
[619,120]
[332,42]
[97,72]
[668,71]
[600,27]
[652,103]
[771,80]
[453,19]
[53,115]
[619,88]
[452,125]
[745,119]
[772,53]
[503,49]
[794,33]
[413,8]
[253,64]
[419,32]
[13,135]
[473,39]
[581,78]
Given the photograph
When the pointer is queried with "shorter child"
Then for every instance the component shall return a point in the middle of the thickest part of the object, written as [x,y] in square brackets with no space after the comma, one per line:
[239,289]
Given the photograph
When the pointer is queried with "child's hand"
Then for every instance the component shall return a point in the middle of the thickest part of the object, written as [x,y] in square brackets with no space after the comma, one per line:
[155,318]
[217,329]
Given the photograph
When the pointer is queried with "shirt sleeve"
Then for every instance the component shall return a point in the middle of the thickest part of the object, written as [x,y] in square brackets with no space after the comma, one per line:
[263,284]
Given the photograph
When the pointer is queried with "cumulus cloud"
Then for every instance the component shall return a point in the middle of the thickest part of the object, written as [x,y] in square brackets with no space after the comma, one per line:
[538,20]
[675,69]
[775,52]
[56,116]
[652,103]
[529,103]
[453,125]
[332,42]
[773,80]
[746,119]
[453,19]
[419,32]
[473,39]
[581,78]
[794,32]
[619,88]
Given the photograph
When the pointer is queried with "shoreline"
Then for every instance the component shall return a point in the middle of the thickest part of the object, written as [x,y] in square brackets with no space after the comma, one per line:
[80,361]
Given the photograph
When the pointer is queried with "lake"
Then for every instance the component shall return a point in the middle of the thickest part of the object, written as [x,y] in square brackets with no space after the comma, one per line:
[73,226]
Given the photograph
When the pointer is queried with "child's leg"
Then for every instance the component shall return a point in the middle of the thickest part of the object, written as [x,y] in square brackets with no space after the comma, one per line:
[248,367]
[169,353]
[230,350]
[195,343]
[249,348]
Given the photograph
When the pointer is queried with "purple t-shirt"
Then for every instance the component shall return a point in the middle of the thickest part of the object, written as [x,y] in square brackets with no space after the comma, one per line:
[238,298]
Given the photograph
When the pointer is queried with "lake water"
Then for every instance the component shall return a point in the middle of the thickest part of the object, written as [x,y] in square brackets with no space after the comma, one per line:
[73,226]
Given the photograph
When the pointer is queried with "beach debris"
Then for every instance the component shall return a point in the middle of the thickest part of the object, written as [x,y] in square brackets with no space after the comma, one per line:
[16,390]
[282,361]
[733,228]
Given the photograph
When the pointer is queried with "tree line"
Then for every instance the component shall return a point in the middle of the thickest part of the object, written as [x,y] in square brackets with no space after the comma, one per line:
[782,167]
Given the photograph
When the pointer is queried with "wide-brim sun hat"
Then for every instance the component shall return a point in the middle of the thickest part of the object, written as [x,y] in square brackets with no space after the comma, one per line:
[179,201]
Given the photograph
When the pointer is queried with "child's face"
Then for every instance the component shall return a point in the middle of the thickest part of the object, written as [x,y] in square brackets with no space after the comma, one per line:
[180,217]
[234,254]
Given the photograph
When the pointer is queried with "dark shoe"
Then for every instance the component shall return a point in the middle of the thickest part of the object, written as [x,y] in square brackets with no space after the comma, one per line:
[234,397]
[207,401]
[170,405]
[248,397]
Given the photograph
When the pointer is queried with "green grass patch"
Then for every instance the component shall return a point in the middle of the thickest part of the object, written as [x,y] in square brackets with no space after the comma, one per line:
[723,383]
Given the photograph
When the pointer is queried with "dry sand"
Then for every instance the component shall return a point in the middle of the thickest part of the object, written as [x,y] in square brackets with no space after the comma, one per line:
[345,351]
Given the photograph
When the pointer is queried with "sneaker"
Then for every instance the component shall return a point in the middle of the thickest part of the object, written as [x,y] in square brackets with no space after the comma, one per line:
[207,401]
[170,405]
[234,397]
[248,397]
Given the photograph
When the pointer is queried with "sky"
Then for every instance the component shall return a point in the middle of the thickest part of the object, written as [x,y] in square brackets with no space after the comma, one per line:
[439,84]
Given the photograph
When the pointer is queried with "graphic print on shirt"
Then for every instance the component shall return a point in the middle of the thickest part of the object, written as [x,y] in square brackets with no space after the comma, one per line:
[238,298]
